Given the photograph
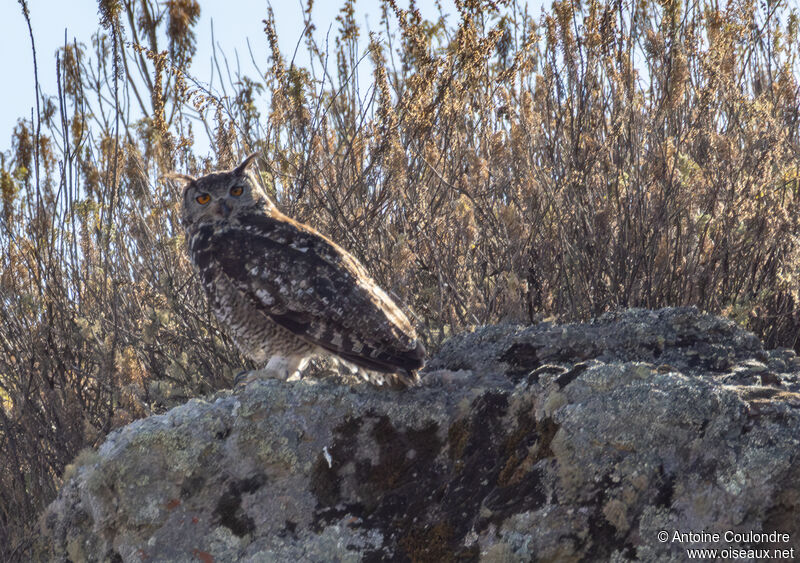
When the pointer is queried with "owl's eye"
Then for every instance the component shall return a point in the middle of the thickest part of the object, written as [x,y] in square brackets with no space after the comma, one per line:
[202,199]
[236,191]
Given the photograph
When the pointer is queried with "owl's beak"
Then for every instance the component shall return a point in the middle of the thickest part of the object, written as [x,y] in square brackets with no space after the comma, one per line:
[221,209]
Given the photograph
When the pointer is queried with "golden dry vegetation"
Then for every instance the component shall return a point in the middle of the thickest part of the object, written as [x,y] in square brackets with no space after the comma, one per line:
[500,166]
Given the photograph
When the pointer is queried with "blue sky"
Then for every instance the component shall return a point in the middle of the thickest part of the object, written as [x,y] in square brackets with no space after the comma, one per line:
[234,21]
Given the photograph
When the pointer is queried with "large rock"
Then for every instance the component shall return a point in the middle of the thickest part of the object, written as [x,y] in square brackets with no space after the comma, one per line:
[552,442]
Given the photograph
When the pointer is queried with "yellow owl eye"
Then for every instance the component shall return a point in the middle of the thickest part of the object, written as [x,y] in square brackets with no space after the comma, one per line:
[202,199]
[236,191]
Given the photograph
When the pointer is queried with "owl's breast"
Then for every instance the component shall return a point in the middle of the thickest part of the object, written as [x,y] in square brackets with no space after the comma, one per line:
[255,334]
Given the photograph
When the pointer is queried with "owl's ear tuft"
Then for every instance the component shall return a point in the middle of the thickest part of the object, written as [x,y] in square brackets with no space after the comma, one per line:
[246,163]
[181,180]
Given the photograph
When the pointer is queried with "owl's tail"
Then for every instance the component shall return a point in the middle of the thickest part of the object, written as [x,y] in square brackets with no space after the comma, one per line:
[397,368]
[393,380]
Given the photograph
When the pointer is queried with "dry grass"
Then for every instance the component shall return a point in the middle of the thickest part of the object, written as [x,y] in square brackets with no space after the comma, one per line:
[497,168]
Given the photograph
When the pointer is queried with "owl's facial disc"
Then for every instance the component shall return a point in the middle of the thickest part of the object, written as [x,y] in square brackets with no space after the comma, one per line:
[211,207]
[224,196]
[220,209]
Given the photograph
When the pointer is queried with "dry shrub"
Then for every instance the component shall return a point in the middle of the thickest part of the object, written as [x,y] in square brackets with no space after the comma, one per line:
[495,168]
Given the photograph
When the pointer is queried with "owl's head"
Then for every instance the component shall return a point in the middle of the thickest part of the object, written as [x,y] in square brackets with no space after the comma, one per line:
[221,196]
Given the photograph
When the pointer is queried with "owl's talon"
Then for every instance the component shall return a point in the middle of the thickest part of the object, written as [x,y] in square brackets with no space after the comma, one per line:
[276,368]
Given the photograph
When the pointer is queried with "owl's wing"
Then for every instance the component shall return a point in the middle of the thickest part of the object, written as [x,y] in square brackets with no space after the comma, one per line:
[315,289]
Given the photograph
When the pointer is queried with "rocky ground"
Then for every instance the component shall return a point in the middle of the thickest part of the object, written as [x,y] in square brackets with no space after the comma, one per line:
[549,442]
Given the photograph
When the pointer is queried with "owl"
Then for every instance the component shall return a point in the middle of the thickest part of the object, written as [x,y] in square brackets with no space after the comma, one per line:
[287,293]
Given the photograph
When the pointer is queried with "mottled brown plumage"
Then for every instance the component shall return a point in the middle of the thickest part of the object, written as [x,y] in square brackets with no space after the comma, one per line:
[285,291]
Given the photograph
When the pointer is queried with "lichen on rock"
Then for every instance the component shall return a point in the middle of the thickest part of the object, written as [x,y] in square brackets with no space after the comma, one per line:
[548,442]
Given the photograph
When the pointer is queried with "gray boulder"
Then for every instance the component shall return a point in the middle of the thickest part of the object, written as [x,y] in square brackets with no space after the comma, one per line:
[550,442]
